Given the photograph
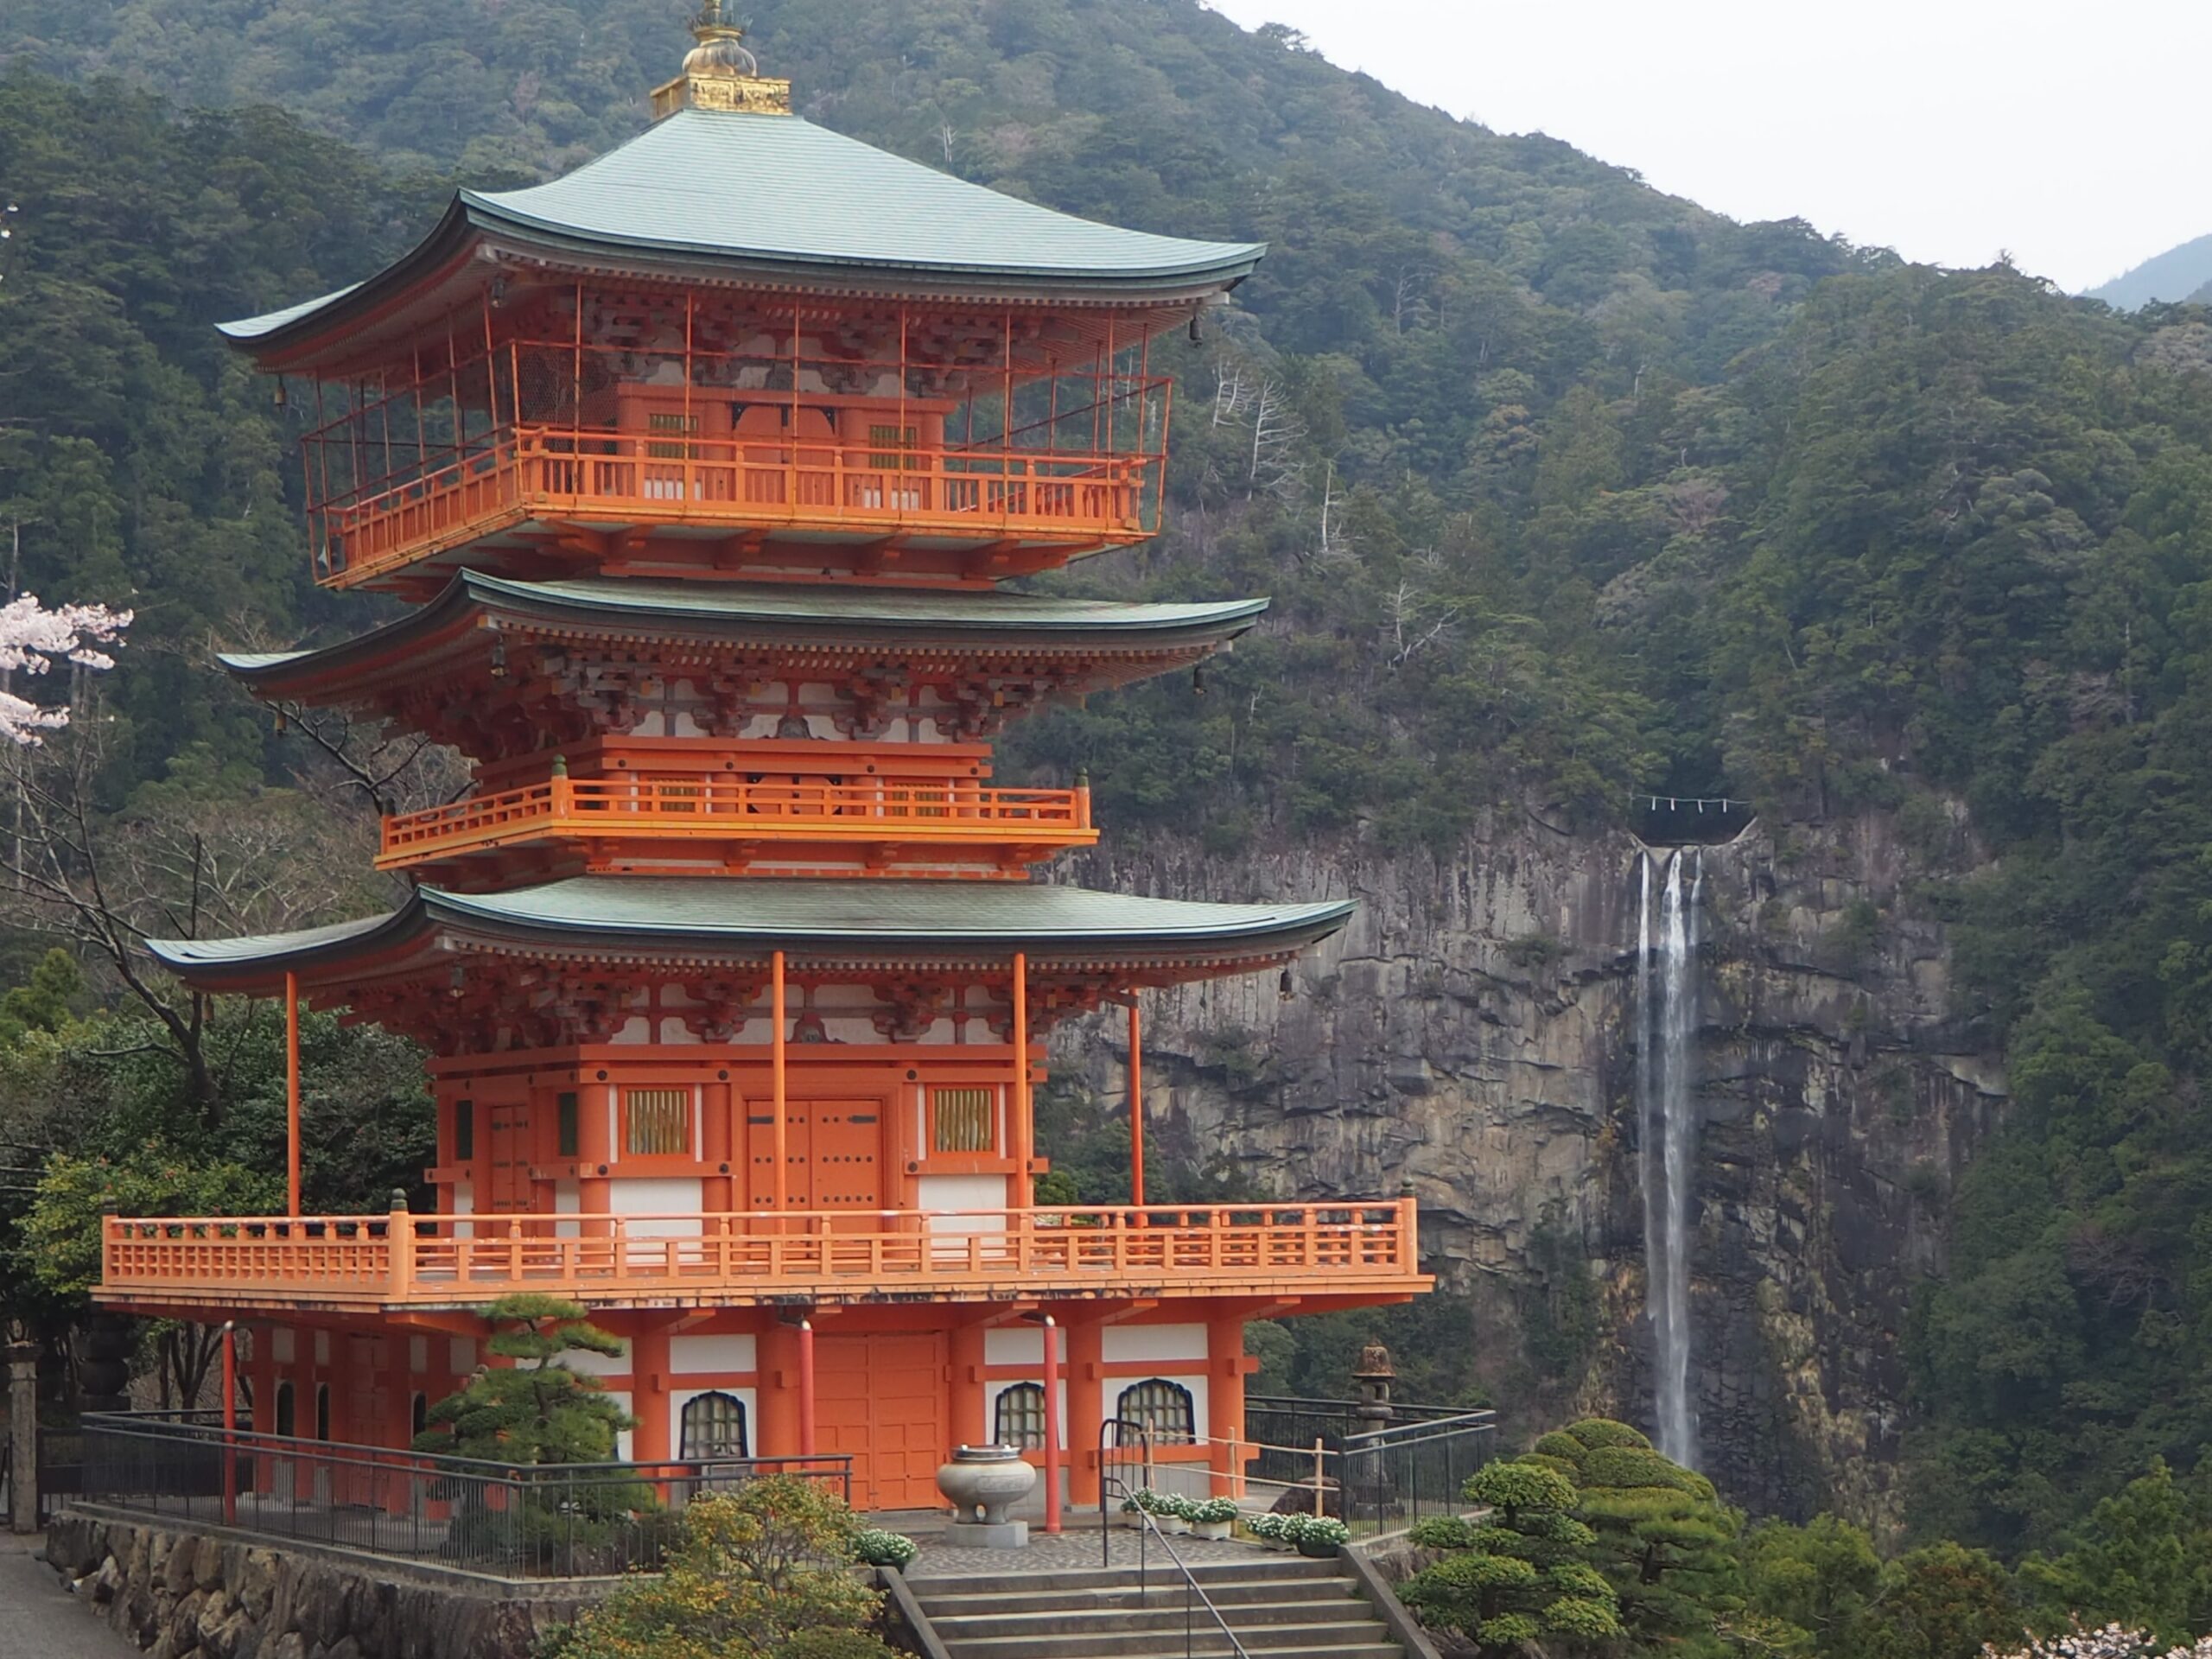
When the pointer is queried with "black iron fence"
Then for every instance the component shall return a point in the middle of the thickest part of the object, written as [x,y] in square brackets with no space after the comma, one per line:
[550,1521]
[1375,1477]
[1406,1473]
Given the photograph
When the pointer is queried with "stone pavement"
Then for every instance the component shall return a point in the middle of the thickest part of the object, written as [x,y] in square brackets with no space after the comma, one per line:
[39,1619]
[1074,1550]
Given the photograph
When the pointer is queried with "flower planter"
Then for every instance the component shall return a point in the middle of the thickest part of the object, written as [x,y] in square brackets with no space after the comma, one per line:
[1321,1549]
[1214,1529]
[1173,1525]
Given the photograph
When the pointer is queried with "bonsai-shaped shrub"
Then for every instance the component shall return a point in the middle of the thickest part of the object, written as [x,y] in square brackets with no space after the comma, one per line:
[1663,1539]
[531,1414]
[1520,1573]
[761,1572]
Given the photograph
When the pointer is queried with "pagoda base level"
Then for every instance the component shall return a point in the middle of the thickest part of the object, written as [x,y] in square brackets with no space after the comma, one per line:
[896,1390]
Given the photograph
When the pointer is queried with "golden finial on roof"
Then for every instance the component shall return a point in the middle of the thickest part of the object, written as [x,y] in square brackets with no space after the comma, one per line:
[720,73]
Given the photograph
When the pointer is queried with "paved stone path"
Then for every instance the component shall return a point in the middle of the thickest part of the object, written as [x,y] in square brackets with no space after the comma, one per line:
[39,1619]
[1070,1551]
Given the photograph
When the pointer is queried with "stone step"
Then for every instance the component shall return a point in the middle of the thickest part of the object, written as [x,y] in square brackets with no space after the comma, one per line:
[1159,1611]
[1162,1588]
[1073,1639]
[1256,1565]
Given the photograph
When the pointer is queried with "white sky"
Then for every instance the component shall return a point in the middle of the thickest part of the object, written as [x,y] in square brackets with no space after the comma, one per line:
[2074,134]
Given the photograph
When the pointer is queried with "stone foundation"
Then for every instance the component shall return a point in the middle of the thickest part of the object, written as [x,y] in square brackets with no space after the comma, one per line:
[178,1593]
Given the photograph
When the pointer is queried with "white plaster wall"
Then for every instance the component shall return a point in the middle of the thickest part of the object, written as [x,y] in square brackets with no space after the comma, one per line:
[567,1199]
[585,1362]
[461,1354]
[689,1355]
[673,1202]
[1155,1343]
[283,1345]
[418,1356]
[1022,1344]
[943,1192]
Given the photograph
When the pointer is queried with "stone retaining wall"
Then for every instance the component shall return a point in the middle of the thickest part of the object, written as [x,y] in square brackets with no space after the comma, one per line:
[178,1593]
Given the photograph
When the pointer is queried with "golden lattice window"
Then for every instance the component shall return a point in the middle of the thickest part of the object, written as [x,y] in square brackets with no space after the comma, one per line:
[657,421]
[655,1120]
[961,1119]
[881,439]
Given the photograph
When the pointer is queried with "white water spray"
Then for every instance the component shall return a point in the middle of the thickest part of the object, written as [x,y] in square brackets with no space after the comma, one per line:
[1666,1021]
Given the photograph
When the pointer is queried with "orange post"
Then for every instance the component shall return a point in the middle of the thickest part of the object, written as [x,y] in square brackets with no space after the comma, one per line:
[1052,1425]
[1020,1129]
[782,1188]
[229,1423]
[292,1093]
[806,1388]
[1136,1105]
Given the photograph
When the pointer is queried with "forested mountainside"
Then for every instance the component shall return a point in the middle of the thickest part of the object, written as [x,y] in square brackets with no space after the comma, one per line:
[1565,488]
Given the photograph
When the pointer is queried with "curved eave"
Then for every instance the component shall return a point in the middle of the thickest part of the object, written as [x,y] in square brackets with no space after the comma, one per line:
[626,610]
[351,323]
[684,919]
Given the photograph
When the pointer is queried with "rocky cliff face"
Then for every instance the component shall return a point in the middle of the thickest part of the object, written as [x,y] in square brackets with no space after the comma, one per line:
[1473,1034]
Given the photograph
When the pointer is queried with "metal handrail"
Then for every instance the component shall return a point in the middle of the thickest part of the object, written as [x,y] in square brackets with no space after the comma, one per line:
[1148,1522]
[1121,1431]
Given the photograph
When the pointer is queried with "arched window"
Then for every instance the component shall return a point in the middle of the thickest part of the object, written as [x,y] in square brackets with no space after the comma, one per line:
[1163,1408]
[713,1426]
[287,1420]
[1019,1419]
[322,1411]
[418,1414]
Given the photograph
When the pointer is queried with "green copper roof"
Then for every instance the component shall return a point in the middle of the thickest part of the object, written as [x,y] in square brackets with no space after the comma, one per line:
[816,613]
[741,917]
[777,195]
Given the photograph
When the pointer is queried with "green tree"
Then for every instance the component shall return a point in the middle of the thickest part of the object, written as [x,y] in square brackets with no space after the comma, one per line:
[2143,1558]
[1941,1601]
[763,1573]
[1818,1582]
[1664,1540]
[1521,1576]
[535,1410]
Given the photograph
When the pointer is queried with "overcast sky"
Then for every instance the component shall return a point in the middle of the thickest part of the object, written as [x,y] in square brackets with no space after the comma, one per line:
[2073,134]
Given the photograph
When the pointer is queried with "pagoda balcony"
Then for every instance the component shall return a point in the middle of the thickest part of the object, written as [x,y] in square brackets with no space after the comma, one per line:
[400,1261]
[546,497]
[638,823]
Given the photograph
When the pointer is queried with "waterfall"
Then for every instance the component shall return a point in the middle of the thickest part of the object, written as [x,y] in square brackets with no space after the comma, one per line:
[1667,1122]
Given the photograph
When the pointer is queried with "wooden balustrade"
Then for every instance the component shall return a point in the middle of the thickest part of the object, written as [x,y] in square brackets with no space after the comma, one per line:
[738,1260]
[516,473]
[720,806]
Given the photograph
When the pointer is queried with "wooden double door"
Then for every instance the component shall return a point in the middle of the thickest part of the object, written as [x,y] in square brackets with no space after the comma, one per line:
[833,1157]
[880,1397]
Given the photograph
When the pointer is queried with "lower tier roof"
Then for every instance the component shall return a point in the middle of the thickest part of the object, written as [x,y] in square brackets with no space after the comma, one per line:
[822,924]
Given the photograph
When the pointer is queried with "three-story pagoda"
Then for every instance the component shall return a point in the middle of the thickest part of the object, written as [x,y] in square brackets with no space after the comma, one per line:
[702,468]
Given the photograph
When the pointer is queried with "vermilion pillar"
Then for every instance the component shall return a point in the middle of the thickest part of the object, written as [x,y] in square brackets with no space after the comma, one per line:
[1052,1440]
[967,1424]
[1225,1401]
[292,1094]
[649,1365]
[1020,1129]
[806,1444]
[782,1187]
[779,1390]
[1086,1408]
[1136,1104]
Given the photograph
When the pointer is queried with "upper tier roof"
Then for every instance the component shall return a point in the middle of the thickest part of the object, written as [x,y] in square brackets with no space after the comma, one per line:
[777,198]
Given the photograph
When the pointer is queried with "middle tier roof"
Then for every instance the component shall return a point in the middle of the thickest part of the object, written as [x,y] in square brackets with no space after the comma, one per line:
[433,668]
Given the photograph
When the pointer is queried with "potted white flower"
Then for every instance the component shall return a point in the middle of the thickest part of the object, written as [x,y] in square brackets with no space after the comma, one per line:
[1212,1517]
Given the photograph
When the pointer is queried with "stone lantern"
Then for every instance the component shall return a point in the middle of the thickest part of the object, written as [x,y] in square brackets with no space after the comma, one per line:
[1372,1377]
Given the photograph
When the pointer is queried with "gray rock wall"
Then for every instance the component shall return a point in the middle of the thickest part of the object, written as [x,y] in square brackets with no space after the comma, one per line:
[1472,1032]
[180,1594]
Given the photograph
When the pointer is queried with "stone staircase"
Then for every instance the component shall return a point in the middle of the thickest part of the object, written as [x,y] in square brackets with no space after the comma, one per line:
[1280,1607]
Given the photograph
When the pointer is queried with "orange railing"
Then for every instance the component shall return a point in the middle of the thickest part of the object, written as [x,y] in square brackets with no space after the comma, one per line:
[717,804]
[514,472]
[732,1260]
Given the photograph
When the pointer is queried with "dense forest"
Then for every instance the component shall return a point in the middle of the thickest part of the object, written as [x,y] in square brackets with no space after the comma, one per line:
[1564,488]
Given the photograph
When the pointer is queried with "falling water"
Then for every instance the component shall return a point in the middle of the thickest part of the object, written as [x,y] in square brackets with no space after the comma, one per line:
[1667,1018]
